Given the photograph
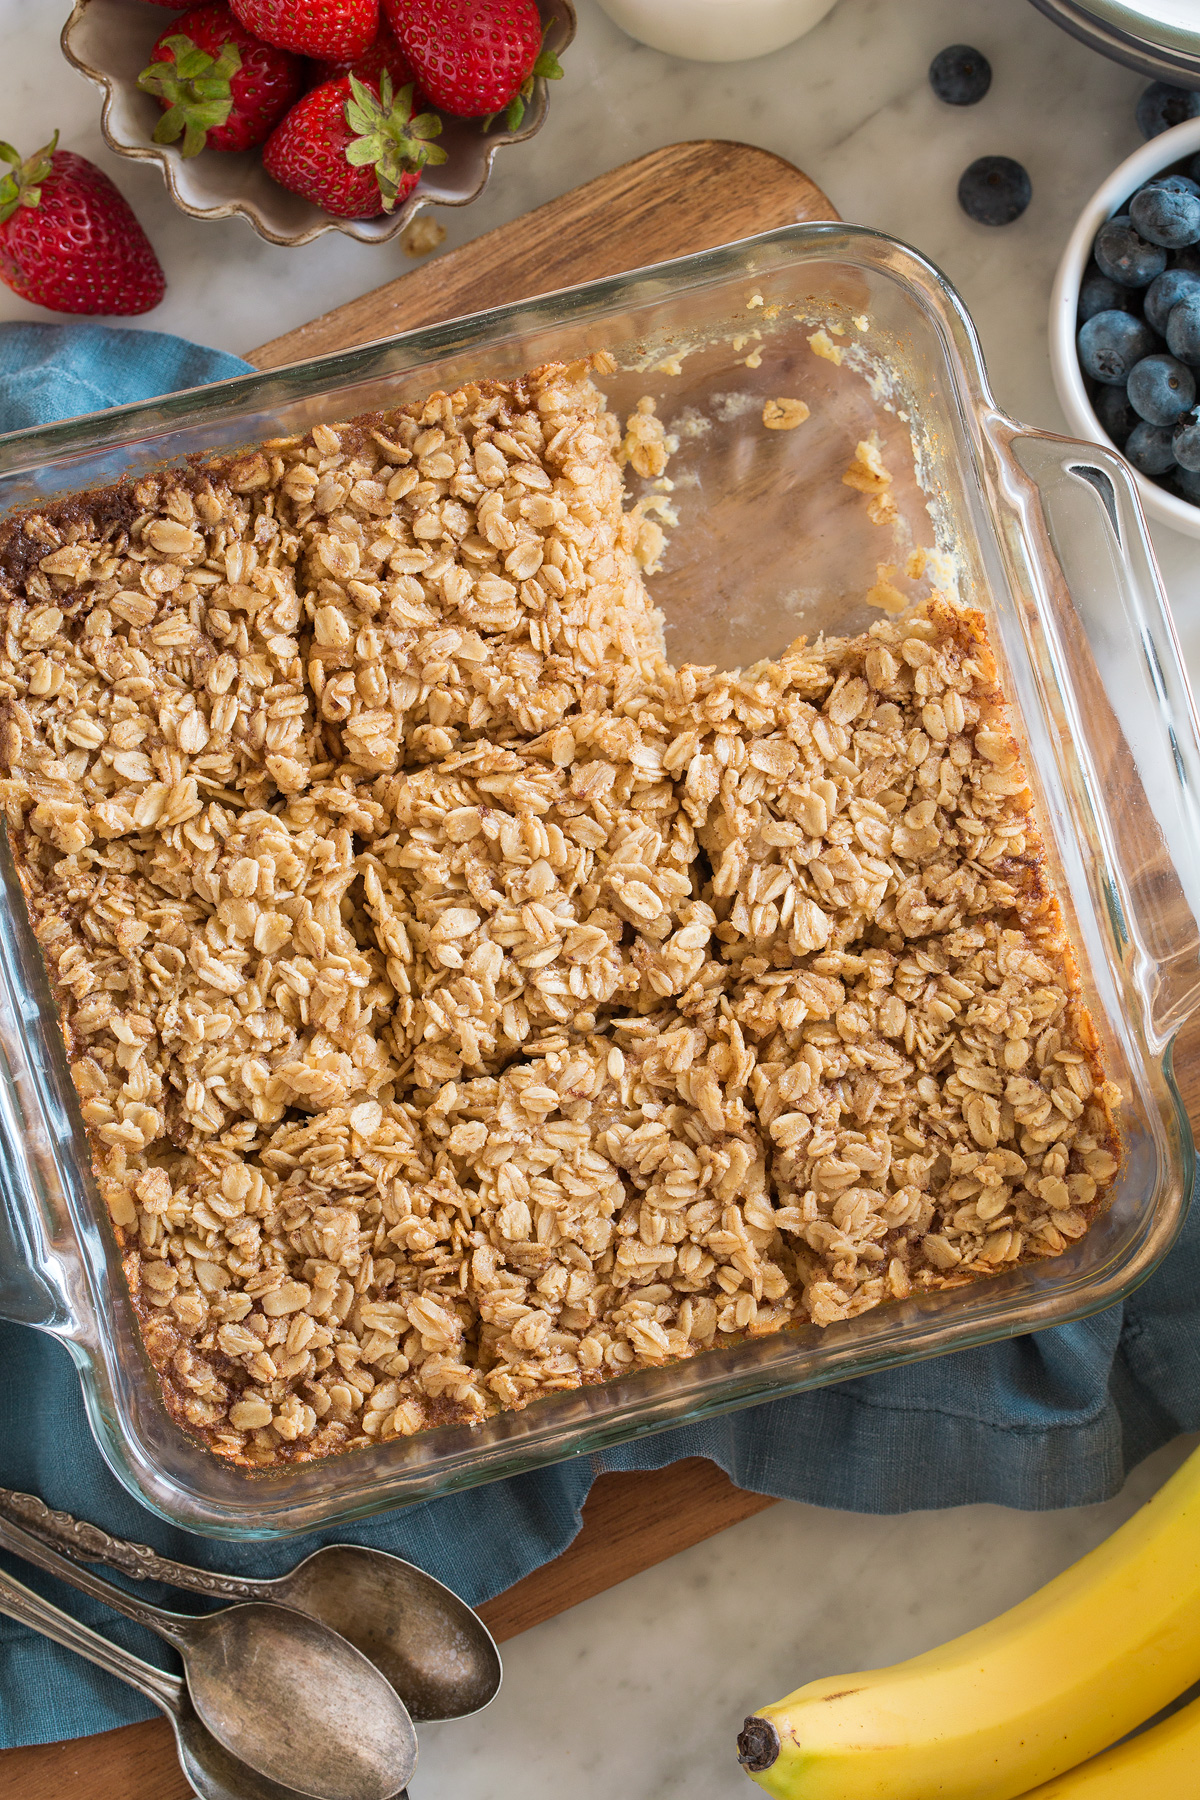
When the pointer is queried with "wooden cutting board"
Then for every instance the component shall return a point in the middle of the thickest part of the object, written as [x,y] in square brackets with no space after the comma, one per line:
[684,198]
[687,197]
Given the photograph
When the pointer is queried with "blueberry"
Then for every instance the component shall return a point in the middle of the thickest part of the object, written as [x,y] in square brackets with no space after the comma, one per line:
[1186,441]
[1125,257]
[1187,484]
[1166,215]
[1162,106]
[1148,448]
[1164,292]
[959,75]
[995,190]
[1100,293]
[1110,344]
[1111,406]
[1183,330]
[1184,183]
[1161,389]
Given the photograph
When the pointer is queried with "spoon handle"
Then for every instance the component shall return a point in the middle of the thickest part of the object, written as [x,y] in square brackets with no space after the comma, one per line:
[23,1543]
[84,1543]
[28,1608]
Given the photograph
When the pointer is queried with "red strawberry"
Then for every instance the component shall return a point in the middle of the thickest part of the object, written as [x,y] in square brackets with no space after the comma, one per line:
[217,84]
[474,57]
[352,148]
[385,53]
[335,31]
[69,240]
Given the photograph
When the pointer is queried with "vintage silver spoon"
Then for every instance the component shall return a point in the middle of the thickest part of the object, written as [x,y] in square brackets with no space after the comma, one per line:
[438,1654]
[212,1771]
[282,1692]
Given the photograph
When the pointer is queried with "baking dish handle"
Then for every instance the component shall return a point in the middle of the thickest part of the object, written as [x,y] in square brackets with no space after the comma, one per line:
[1118,677]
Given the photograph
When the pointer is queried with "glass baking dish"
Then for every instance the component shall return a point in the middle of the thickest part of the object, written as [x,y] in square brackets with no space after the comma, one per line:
[1043,534]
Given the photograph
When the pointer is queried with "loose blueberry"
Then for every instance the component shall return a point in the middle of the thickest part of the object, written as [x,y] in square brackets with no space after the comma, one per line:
[1183,330]
[960,75]
[995,190]
[1165,215]
[1187,484]
[1162,106]
[1161,389]
[1100,293]
[1110,345]
[1125,257]
[1112,408]
[1164,292]
[1186,441]
[1148,448]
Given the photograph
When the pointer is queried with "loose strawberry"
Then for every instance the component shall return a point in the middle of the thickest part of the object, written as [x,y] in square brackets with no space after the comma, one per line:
[69,240]
[334,31]
[475,57]
[353,146]
[217,84]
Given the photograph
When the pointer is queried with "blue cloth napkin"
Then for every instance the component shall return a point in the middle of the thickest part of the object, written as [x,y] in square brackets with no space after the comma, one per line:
[1052,1419]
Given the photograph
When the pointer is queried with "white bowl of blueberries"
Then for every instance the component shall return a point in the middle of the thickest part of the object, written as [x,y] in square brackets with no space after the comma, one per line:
[1125,322]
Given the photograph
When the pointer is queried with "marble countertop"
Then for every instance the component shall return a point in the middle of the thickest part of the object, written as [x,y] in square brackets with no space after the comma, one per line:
[638,1692]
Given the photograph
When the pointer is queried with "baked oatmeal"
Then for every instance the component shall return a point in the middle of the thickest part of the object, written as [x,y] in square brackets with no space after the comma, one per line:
[463,1002]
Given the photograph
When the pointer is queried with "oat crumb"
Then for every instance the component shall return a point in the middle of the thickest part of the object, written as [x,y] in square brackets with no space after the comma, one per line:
[823,345]
[784,414]
[869,475]
[884,594]
[423,235]
[644,446]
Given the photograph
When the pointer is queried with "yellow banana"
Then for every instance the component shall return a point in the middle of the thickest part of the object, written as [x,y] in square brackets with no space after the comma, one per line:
[1162,1764]
[992,1714]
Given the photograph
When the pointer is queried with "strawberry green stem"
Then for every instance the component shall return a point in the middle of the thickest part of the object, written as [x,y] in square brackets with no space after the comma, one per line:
[387,135]
[23,187]
[196,88]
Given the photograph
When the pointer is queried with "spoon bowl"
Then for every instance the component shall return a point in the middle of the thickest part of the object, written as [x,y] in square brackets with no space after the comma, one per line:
[213,1771]
[289,1697]
[436,1652]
